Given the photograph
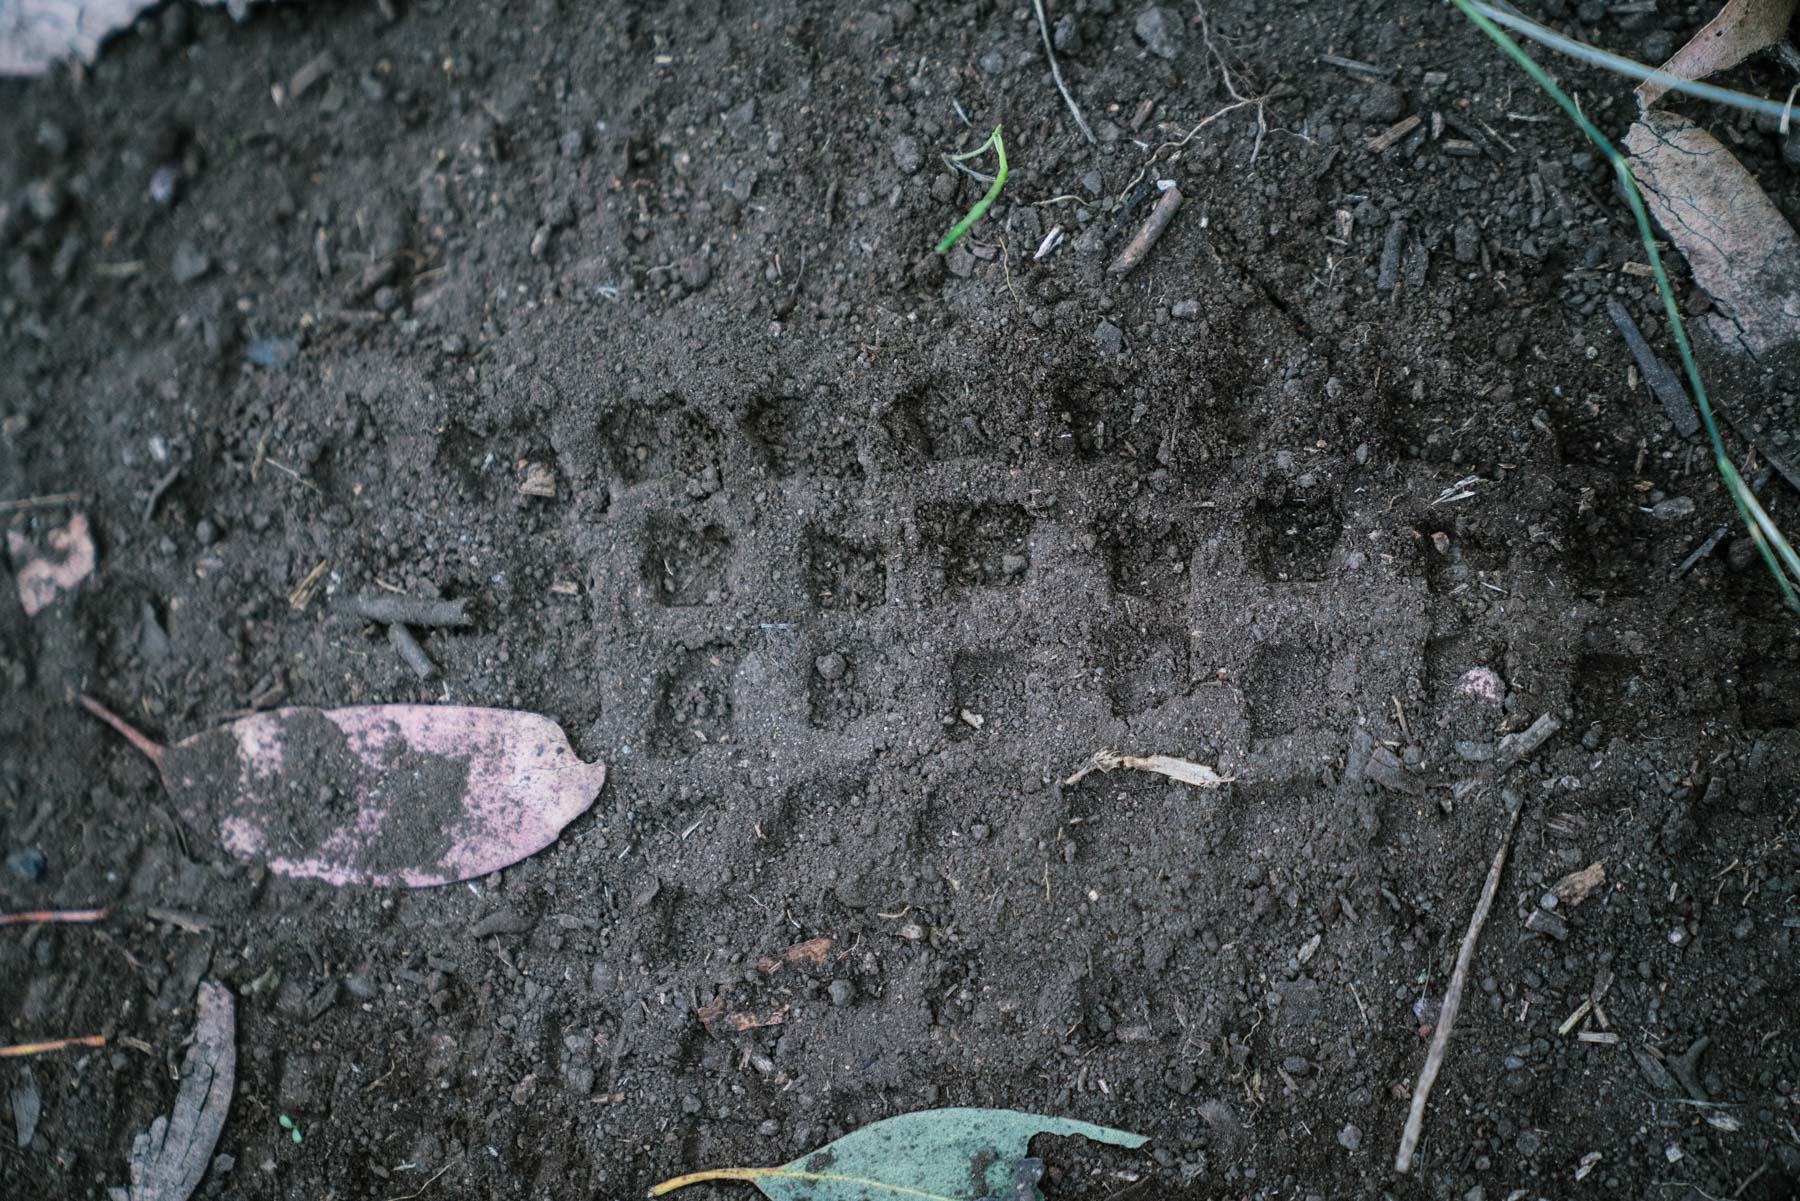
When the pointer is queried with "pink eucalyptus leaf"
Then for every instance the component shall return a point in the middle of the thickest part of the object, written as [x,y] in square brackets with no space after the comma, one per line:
[70,561]
[410,795]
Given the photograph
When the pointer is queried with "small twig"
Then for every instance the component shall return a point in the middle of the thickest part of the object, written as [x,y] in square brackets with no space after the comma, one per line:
[410,652]
[193,923]
[156,491]
[56,1044]
[39,502]
[54,915]
[407,610]
[421,1189]
[1056,74]
[1677,405]
[1440,1040]
[303,592]
[1159,219]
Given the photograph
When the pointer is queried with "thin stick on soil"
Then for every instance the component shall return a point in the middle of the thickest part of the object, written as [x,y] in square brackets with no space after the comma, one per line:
[18,1050]
[54,915]
[1159,219]
[410,652]
[1056,74]
[1434,1058]
[407,610]
[39,502]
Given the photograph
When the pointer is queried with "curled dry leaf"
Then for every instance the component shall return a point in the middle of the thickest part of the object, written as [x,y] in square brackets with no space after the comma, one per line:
[811,953]
[1742,251]
[41,578]
[1574,888]
[1184,770]
[409,795]
[714,1017]
[934,1155]
[1741,29]
[168,1160]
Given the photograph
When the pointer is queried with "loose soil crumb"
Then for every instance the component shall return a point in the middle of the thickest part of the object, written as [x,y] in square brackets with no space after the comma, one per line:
[1358,425]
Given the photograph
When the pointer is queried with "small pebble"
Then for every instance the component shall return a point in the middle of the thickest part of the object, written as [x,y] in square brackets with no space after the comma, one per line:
[907,155]
[27,864]
[842,993]
[1108,338]
[1156,28]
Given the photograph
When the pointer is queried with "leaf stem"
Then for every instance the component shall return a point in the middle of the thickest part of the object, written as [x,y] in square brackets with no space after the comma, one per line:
[986,202]
[669,1186]
[152,751]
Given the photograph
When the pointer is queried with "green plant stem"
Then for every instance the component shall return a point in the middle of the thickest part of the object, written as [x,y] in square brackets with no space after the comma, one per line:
[1763,531]
[986,202]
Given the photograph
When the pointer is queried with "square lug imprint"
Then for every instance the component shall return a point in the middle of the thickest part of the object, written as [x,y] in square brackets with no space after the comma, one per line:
[682,564]
[989,687]
[1286,690]
[1293,541]
[841,574]
[693,701]
[983,546]
[1144,671]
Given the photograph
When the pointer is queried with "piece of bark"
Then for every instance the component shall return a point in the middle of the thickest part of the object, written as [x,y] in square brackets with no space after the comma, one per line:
[168,1160]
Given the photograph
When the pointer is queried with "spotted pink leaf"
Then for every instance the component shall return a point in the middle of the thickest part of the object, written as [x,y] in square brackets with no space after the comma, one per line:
[408,795]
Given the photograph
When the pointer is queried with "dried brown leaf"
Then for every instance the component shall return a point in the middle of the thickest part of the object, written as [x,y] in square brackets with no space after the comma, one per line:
[811,953]
[713,1017]
[1184,770]
[1741,29]
[1742,251]
[1574,888]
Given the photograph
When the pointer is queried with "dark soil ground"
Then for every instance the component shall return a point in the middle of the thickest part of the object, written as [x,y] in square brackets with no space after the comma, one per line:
[1262,504]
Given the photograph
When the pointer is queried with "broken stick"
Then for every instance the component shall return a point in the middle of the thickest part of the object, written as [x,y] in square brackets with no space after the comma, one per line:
[407,610]
[1159,219]
[410,652]
[1440,1040]
[1056,74]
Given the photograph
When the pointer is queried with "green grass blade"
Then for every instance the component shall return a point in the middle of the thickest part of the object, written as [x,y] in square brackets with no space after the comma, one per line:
[986,202]
[1776,550]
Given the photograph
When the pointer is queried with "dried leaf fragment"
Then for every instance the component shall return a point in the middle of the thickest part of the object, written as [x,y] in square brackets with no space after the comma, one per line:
[1742,251]
[811,953]
[1574,888]
[540,480]
[1741,29]
[68,560]
[714,1017]
[1184,770]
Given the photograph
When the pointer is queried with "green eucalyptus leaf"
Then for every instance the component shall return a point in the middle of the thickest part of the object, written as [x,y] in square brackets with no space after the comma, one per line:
[933,1155]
